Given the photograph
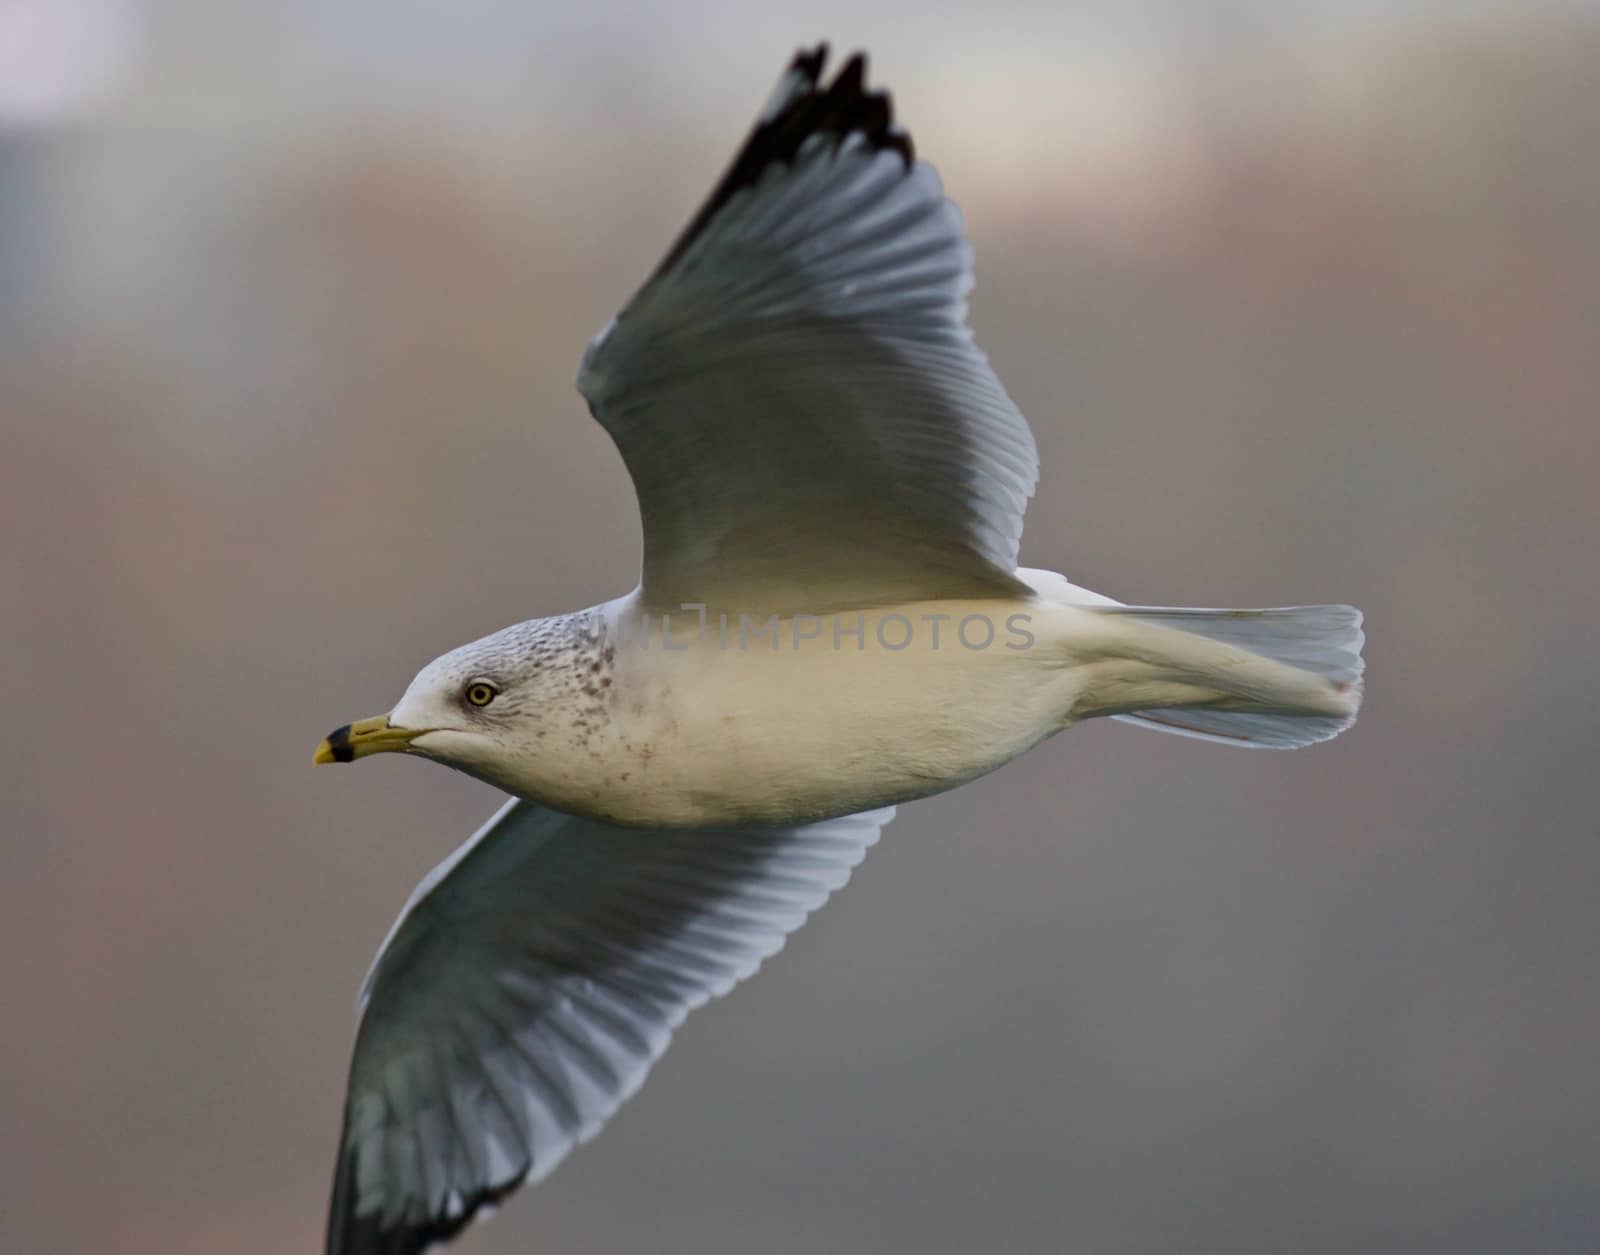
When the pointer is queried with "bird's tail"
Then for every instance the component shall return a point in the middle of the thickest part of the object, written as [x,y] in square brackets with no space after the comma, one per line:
[1278,678]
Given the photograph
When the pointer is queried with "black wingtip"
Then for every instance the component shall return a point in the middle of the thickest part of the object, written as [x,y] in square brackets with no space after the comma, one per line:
[351,1234]
[843,107]
[853,78]
[811,63]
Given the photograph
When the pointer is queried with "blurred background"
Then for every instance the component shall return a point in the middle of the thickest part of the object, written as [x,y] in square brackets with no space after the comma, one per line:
[1303,302]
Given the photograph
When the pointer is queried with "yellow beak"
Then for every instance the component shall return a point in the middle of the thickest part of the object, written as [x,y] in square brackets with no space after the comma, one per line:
[366,736]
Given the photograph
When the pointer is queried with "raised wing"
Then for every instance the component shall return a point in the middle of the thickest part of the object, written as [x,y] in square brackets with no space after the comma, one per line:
[526,989]
[795,391]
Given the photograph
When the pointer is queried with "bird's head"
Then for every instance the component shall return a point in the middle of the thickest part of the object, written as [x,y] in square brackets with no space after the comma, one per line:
[469,708]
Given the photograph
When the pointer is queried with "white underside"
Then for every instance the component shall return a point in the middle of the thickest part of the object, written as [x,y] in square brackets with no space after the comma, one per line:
[740,722]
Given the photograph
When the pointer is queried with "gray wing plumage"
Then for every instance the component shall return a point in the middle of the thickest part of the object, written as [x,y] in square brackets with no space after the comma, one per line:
[528,986]
[796,392]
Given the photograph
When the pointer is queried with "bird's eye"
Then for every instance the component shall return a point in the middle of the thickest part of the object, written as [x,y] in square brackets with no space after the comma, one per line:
[480,693]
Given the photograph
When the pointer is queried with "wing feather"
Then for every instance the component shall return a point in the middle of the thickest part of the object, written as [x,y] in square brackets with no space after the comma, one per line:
[529,985]
[795,391]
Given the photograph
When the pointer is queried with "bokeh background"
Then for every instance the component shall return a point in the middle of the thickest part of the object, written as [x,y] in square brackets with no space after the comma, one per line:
[1304,304]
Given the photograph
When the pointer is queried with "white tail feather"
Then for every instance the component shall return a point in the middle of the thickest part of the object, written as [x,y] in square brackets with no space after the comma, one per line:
[1325,641]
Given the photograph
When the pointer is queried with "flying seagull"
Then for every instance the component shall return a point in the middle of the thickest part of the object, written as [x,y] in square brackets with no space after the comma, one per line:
[830,620]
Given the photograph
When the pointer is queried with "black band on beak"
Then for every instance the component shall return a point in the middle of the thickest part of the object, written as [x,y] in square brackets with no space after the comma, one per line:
[339,744]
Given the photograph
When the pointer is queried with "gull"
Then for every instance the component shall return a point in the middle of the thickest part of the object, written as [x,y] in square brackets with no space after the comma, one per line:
[830,620]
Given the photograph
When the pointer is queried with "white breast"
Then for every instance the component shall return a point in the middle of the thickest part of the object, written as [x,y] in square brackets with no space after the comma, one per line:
[827,717]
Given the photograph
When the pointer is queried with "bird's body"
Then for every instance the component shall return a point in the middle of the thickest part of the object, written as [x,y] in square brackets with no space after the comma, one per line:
[830,620]
[663,719]
[774,720]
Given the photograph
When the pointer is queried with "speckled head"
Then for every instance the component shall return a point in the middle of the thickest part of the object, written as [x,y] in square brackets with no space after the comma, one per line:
[484,707]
